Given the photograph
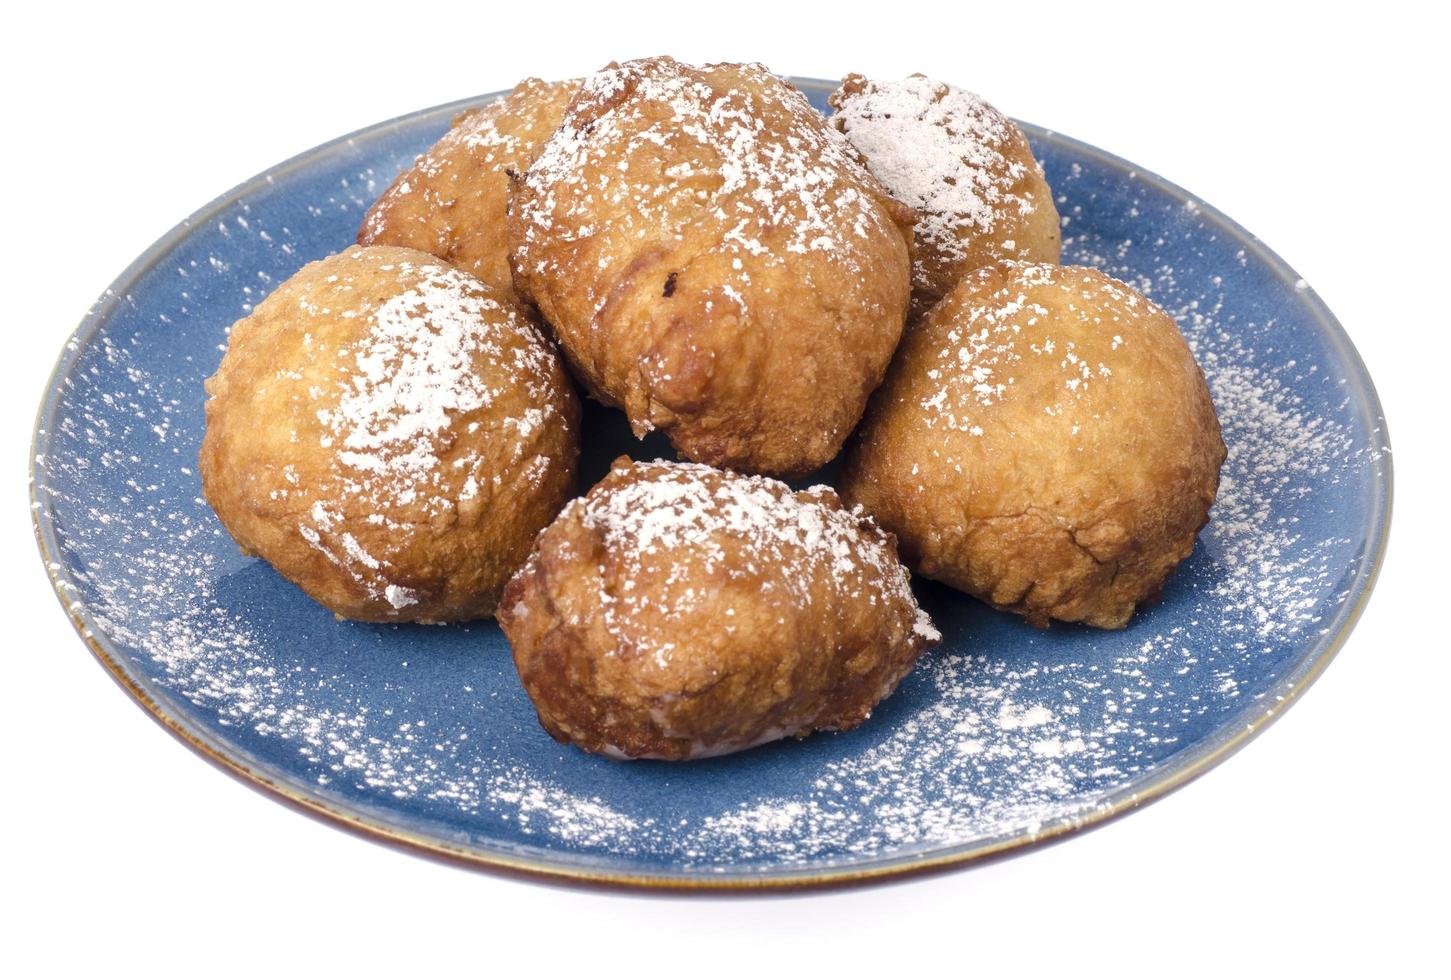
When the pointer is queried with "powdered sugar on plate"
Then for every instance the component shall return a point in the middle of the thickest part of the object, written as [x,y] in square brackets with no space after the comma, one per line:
[1003,733]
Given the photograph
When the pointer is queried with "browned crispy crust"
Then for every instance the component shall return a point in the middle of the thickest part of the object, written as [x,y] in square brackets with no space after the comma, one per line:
[1045,441]
[452,201]
[426,526]
[715,261]
[679,640]
[987,152]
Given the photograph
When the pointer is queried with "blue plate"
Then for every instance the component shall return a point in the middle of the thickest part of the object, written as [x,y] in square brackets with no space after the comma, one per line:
[421,735]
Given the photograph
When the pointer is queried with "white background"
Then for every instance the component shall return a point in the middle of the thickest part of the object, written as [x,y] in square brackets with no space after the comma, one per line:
[1319,848]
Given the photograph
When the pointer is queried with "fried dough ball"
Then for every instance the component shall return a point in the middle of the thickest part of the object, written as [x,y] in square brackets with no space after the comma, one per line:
[966,168]
[390,433]
[1045,442]
[679,611]
[715,261]
[451,202]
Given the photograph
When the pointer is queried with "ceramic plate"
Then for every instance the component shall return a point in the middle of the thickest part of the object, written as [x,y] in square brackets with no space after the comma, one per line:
[1004,735]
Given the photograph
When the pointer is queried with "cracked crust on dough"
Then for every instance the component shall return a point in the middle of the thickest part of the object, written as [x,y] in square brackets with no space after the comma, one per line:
[715,260]
[452,202]
[390,434]
[679,611]
[1044,441]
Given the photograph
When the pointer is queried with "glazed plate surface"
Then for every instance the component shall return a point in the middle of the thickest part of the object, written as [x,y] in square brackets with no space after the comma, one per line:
[1003,736]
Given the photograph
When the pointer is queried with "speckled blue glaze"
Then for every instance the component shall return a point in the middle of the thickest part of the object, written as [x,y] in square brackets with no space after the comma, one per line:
[1003,736]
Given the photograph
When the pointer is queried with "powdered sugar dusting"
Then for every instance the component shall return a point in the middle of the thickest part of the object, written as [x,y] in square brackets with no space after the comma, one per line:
[804,193]
[938,149]
[678,520]
[406,387]
[413,375]
[959,162]
[980,355]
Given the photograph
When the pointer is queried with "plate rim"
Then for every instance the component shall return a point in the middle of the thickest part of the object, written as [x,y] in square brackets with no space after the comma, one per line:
[1198,759]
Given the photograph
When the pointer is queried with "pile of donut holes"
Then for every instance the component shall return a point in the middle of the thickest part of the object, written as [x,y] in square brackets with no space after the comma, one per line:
[768,287]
